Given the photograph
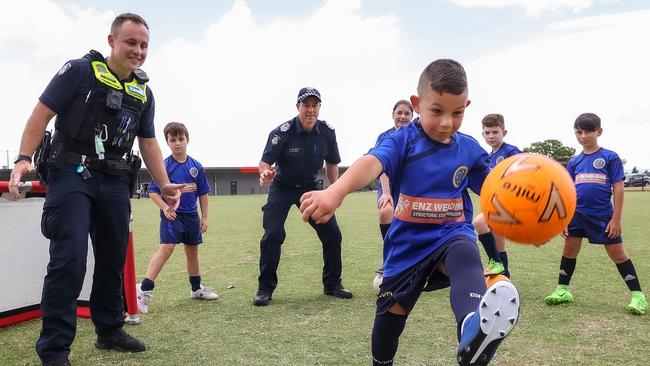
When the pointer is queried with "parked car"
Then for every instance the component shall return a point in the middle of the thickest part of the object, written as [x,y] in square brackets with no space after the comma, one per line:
[636,180]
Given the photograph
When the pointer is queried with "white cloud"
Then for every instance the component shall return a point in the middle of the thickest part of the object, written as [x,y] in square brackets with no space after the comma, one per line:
[592,64]
[533,7]
[241,80]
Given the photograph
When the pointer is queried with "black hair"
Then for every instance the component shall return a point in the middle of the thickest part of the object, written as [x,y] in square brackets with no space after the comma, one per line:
[443,76]
[587,122]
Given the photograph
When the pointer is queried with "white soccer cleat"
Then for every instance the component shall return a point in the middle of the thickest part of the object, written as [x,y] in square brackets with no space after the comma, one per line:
[203,293]
[483,330]
[144,298]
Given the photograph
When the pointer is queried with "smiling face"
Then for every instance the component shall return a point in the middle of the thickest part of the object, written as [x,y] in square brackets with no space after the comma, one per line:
[441,114]
[402,115]
[129,45]
[308,111]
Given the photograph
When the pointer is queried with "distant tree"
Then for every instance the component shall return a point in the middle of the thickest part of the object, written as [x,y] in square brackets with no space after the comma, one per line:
[635,170]
[551,148]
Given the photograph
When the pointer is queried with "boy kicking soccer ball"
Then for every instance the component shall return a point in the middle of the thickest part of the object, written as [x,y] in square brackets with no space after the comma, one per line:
[431,243]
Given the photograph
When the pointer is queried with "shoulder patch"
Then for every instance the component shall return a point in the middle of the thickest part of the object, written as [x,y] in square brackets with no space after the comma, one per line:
[275,139]
[328,125]
[285,127]
[64,69]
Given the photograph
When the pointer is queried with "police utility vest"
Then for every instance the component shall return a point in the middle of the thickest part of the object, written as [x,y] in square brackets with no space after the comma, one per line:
[111,111]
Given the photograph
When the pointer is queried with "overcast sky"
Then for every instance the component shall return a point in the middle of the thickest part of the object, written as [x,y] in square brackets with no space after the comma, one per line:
[231,69]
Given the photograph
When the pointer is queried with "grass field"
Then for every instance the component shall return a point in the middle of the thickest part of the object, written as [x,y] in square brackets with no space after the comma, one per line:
[305,327]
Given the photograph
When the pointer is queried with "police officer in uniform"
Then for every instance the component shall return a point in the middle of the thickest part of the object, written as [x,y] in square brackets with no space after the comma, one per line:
[293,155]
[101,107]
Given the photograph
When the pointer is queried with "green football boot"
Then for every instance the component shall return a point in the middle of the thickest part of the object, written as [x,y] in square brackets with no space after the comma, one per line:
[638,305]
[561,295]
[494,268]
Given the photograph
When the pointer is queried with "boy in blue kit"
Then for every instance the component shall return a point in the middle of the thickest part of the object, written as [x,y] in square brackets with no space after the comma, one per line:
[597,173]
[431,242]
[494,130]
[183,226]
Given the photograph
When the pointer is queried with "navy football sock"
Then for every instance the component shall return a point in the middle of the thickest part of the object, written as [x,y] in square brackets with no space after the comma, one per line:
[504,260]
[384,229]
[195,281]
[147,285]
[567,266]
[385,337]
[627,271]
[489,245]
[467,286]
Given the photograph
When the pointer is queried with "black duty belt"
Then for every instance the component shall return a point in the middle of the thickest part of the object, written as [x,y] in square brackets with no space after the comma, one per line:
[296,186]
[108,166]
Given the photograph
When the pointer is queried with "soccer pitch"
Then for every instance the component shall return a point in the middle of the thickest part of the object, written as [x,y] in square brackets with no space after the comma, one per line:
[304,327]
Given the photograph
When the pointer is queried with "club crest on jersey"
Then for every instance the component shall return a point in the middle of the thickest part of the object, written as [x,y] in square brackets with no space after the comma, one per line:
[285,127]
[459,175]
[64,68]
[275,140]
[500,159]
[599,163]
[194,172]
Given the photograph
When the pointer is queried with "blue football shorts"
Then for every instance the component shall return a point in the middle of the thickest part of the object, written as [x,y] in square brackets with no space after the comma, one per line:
[591,227]
[406,287]
[185,229]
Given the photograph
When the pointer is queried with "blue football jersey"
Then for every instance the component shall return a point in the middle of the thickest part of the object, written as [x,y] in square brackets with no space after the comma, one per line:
[430,183]
[594,174]
[192,174]
[505,151]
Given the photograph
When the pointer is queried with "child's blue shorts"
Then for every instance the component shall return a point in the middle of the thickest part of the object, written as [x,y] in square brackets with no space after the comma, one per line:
[185,229]
[591,227]
[406,287]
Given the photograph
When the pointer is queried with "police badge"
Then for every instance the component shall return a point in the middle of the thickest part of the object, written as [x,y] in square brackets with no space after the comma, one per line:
[285,127]
[63,69]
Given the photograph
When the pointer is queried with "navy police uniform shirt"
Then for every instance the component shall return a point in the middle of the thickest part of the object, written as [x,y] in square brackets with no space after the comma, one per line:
[190,173]
[430,183]
[298,155]
[503,152]
[594,174]
[66,95]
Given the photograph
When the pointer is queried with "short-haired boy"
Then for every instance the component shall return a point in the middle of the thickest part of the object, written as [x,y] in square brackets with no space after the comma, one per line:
[431,243]
[183,226]
[494,130]
[596,172]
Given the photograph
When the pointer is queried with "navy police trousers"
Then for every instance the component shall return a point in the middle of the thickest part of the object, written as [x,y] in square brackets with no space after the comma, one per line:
[277,207]
[73,209]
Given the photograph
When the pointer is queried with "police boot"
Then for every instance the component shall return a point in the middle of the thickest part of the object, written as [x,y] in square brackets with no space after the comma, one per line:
[120,341]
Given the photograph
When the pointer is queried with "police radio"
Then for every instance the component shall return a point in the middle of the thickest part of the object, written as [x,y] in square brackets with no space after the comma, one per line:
[134,162]
[41,155]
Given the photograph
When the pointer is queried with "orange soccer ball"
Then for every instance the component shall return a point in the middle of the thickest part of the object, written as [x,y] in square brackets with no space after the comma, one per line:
[528,198]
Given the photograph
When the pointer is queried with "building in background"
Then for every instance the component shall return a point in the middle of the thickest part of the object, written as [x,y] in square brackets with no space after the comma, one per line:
[223,181]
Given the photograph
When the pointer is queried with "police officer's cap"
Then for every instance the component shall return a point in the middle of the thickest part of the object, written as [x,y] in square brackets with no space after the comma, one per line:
[306,92]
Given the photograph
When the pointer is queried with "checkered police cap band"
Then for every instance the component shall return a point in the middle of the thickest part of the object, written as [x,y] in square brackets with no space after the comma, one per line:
[304,93]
